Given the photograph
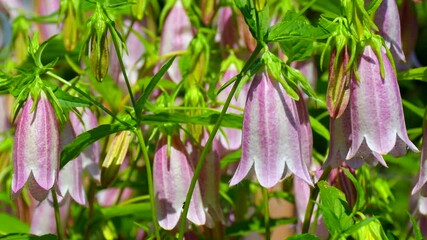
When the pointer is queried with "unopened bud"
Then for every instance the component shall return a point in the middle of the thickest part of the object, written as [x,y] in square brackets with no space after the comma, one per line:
[259,4]
[138,9]
[115,156]
[70,28]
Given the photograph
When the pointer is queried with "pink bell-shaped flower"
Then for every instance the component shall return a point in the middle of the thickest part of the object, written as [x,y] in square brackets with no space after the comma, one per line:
[388,22]
[90,156]
[176,36]
[271,138]
[70,176]
[422,180]
[376,109]
[340,132]
[172,176]
[36,148]
[231,139]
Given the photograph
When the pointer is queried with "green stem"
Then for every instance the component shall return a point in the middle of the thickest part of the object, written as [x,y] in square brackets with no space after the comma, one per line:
[266,214]
[211,137]
[59,229]
[106,110]
[311,202]
[122,66]
[149,179]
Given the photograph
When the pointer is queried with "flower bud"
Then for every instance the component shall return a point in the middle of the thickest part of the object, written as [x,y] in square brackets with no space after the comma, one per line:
[99,55]
[208,10]
[36,148]
[116,154]
[69,29]
[138,8]
[260,4]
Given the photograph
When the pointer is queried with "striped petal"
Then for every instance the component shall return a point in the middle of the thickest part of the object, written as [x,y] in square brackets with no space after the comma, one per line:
[376,108]
[271,137]
[70,176]
[172,177]
[36,148]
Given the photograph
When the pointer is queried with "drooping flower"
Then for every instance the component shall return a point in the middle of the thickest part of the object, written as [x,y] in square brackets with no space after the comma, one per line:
[176,36]
[227,34]
[172,176]
[43,217]
[231,138]
[422,180]
[36,148]
[388,22]
[70,176]
[90,156]
[376,109]
[209,178]
[340,135]
[271,139]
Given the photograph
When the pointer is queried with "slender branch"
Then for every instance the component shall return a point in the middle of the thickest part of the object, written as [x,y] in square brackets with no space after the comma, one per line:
[266,214]
[210,140]
[149,179]
[122,66]
[59,229]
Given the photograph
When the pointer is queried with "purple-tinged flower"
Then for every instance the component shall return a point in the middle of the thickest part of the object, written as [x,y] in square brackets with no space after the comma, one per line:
[176,36]
[36,148]
[90,156]
[271,138]
[209,178]
[231,138]
[388,22]
[172,176]
[340,132]
[422,180]
[376,109]
[227,34]
[43,217]
[45,8]
[70,176]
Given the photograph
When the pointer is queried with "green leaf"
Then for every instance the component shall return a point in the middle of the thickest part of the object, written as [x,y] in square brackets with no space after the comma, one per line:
[413,74]
[24,236]
[153,83]
[415,227]
[415,109]
[360,201]
[82,141]
[335,210]
[249,14]
[229,120]
[293,27]
[108,90]
[66,101]
[9,224]
[304,236]
[319,128]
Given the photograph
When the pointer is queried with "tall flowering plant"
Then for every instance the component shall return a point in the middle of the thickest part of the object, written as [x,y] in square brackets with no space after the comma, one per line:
[213,119]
